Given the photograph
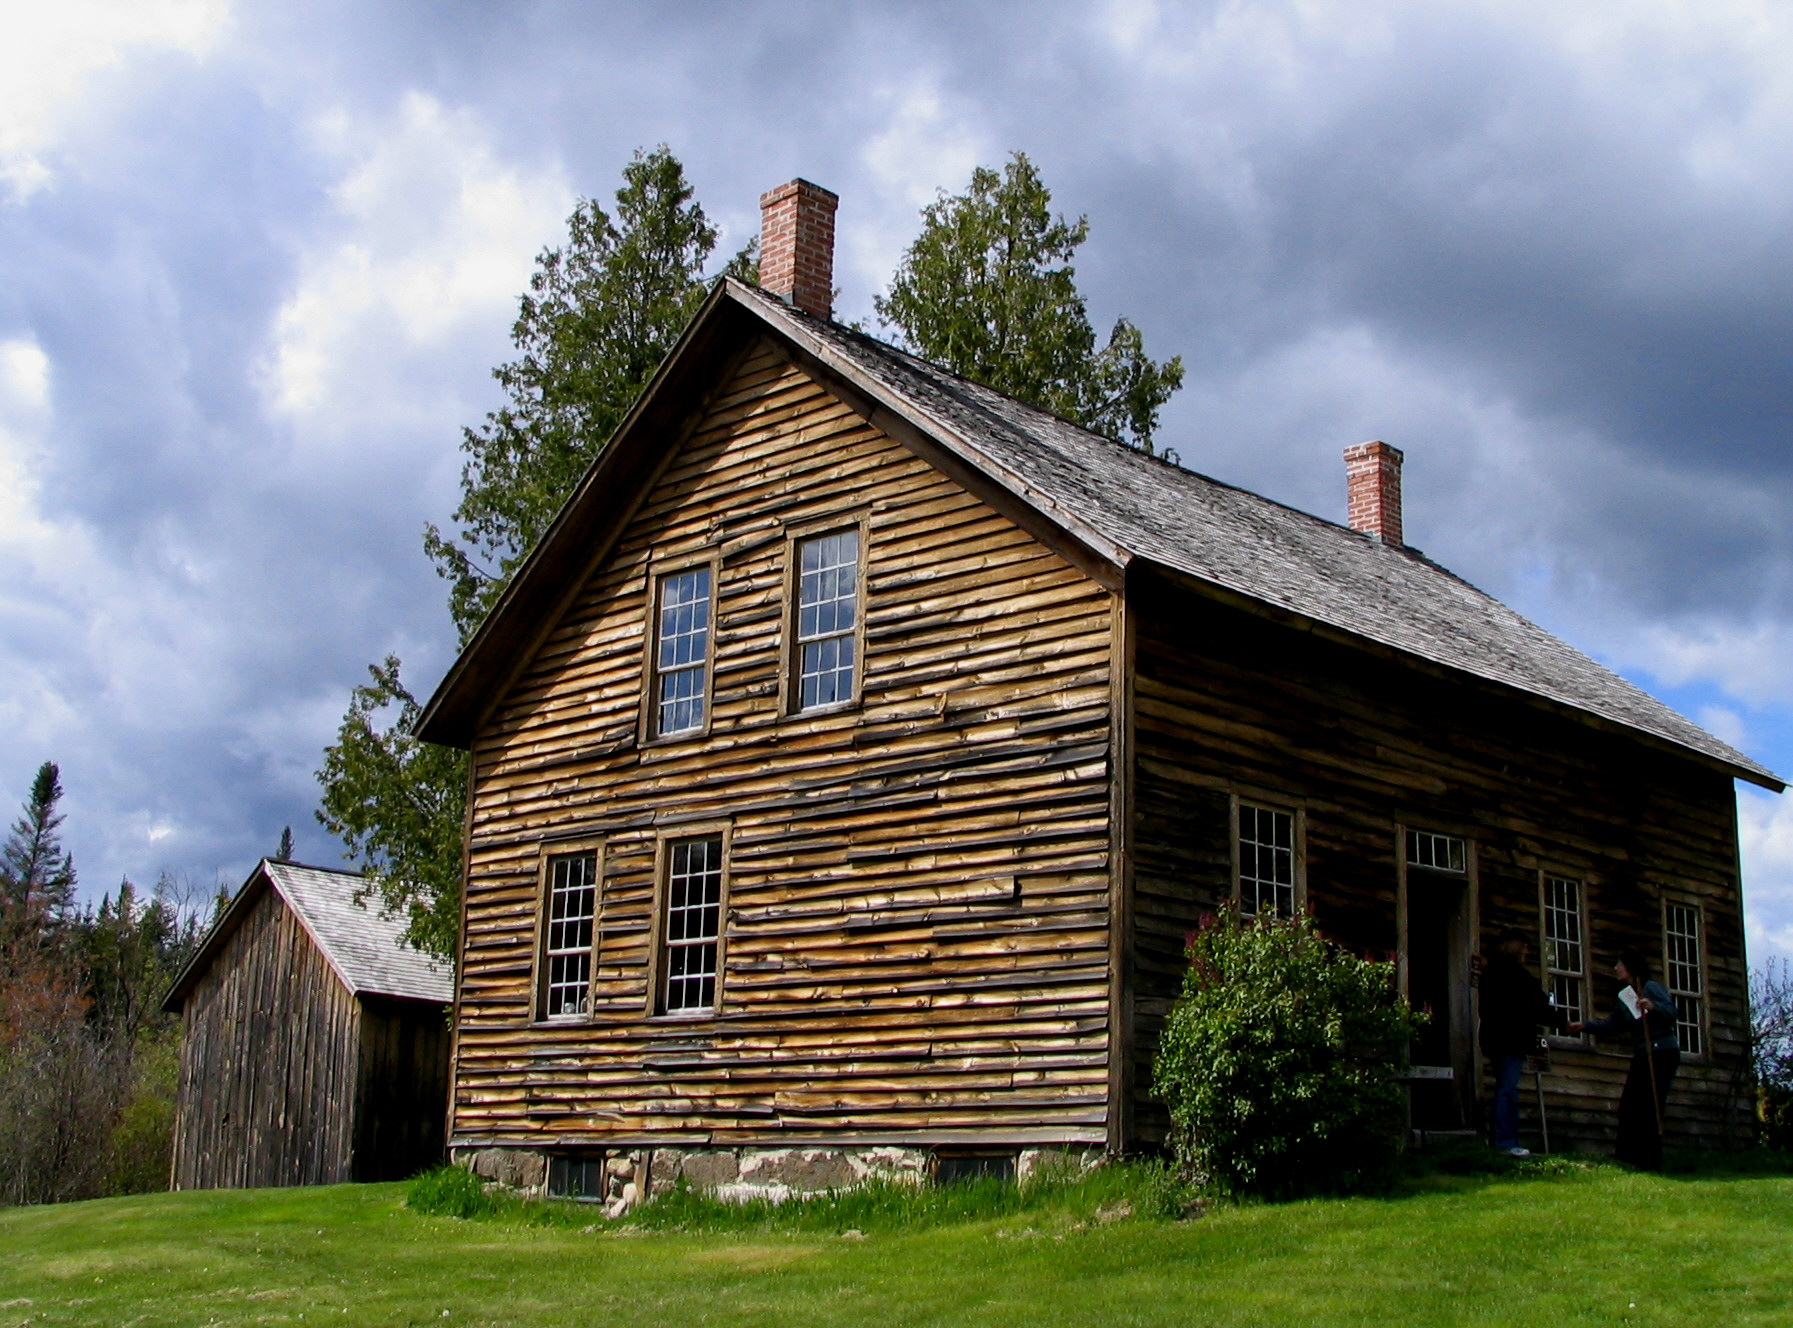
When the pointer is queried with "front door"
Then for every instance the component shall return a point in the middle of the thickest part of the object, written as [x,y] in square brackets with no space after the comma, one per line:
[1438,981]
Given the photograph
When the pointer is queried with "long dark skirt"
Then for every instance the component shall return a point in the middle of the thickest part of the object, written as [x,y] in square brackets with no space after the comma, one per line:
[1639,1142]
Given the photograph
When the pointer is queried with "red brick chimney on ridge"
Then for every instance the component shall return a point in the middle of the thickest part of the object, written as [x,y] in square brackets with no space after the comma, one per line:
[797,246]
[1373,491]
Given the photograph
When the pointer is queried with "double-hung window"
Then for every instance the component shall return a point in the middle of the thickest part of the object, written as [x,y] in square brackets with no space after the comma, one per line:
[691,926]
[1565,953]
[681,651]
[572,902]
[1685,974]
[827,619]
[1266,861]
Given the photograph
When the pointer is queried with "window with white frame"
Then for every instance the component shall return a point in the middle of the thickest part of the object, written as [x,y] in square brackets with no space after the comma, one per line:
[1686,978]
[1565,953]
[692,927]
[681,652]
[827,618]
[572,908]
[1266,861]
[1445,853]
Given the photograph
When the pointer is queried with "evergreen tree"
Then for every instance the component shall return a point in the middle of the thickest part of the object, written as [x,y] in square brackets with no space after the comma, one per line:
[37,878]
[988,290]
[284,853]
[600,314]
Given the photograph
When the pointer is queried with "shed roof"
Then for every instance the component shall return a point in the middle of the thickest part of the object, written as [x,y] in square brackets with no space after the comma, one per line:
[364,946]
[1124,507]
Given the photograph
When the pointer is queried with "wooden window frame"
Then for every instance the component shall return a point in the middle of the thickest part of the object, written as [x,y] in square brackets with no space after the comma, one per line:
[663,842]
[1297,812]
[1546,971]
[790,668]
[546,853]
[647,722]
[1672,899]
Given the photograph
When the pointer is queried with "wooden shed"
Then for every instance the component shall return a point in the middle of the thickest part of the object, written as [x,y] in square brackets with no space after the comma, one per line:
[314,1047]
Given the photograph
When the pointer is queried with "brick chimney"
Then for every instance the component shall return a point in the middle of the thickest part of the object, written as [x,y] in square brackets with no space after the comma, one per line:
[1373,490]
[797,246]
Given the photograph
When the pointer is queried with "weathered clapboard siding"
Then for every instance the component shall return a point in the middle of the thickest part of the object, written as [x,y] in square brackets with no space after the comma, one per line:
[917,941]
[1230,703]
[268,1063]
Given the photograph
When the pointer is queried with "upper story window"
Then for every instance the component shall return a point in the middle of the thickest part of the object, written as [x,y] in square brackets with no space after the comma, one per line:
[1266,861]
[681,651]
[1445,853]
[827,618]
[1565,953]
[566,950]
[691,928]
[1685,974]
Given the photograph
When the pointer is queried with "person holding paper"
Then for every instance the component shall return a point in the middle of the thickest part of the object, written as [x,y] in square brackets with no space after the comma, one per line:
[1644,1015]
[1513,1008]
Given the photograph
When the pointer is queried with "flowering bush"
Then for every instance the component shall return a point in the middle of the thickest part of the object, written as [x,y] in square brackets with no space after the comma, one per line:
[1278,1061]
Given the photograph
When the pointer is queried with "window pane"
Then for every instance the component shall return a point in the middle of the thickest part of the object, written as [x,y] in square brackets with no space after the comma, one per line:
[693,924]
[1563,955]
[827,612]
[1681,927]
[572,909]
[682,650]
[1437,852]
[1266,861]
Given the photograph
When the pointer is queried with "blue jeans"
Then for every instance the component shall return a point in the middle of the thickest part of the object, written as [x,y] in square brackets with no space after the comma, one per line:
[1506,1100]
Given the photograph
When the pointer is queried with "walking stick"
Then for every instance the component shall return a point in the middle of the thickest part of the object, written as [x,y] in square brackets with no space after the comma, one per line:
[1650,1058]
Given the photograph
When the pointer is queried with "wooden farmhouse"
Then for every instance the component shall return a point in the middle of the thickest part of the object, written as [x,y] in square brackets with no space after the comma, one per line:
[314,1042]
[855,751]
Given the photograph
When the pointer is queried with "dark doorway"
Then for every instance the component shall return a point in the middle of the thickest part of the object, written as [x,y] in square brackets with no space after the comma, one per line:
[1438,982]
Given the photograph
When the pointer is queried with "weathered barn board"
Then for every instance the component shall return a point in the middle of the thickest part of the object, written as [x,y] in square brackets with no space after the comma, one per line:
[955,908]
[918,889]
[309,1056]
[1233,705]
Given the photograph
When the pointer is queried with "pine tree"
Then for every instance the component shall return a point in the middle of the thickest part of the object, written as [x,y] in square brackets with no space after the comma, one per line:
[988,290]
[37,878]
[284,853]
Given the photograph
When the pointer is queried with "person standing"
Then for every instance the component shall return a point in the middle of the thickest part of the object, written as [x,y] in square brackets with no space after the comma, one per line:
[1655,1057]
[1513,1008]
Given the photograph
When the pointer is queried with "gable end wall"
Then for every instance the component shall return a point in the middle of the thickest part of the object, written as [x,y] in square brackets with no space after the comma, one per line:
[917,931]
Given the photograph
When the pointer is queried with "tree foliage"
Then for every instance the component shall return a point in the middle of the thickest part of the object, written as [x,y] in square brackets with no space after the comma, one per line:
[398,803]
[37,878]
[989,291]
[1278,1060]
[600,314]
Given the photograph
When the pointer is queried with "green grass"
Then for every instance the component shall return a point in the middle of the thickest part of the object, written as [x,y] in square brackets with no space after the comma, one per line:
[1549,1244]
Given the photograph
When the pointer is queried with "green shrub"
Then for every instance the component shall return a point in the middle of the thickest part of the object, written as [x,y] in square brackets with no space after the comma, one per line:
[1278,1061]
[450,1192]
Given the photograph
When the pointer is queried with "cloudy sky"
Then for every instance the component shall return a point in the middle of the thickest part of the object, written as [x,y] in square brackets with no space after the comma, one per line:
[257,260]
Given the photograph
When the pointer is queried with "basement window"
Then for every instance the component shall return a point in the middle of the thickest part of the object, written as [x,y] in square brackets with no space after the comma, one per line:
[954,1167]
[691,932]
[1565,955]
[576,1176]
[1685,974]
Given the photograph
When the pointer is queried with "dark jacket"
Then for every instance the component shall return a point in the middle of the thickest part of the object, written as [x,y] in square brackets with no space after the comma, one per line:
[1513,1007]
[1621,1027]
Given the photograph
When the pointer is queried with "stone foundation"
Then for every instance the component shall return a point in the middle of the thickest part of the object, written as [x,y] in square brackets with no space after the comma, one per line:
[735,1175]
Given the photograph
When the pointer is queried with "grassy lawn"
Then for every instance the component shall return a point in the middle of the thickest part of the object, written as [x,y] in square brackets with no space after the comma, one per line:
[1593,1246]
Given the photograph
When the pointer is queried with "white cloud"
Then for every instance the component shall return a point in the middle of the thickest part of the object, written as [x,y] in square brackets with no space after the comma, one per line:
[435,232]
[52,53]
[1765,835]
